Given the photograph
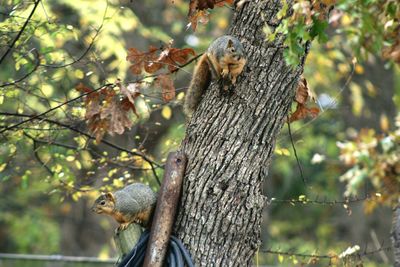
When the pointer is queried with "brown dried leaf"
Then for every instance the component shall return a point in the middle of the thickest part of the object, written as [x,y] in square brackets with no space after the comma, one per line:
[92,106]
[200,16]
[83,88]
[195,5]
[392,52]
[198,10]
[172,56]
[142,60]
[167,87]
[136,58]
[220,3]
[302,111]
[132,91]
[97,127]
[118,118]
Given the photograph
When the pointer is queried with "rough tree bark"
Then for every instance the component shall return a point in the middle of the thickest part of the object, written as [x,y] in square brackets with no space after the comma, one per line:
[229,144]
[395,234]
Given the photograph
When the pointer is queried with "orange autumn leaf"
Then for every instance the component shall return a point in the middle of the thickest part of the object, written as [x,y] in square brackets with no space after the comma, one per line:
[151,62]
[303,96]
[167,87]
[302,112]
[107,112]
[198,10]
[303,93]
[143,60]
[173,57]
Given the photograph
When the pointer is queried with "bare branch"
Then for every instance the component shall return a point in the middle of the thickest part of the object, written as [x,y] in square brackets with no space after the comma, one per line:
[103,141]
[20,32]
[27,74]
[34,117]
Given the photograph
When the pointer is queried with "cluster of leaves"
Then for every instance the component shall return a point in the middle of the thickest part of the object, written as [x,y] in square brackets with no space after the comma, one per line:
[108,111]
[155,59]
[308,22]
[370,26]
[198,10]
[304,95]
[375,159]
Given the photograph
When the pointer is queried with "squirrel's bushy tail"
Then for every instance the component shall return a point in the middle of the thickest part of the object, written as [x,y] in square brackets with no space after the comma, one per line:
[200,82]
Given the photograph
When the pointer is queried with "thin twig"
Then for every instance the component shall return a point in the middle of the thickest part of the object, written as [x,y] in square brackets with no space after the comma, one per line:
[27,74]
[20,32]
[295,151]
[104,141]
[34,117]
[319,201]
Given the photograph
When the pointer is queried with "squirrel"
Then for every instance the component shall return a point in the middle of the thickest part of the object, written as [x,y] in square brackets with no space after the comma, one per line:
[224,60]
[134,203]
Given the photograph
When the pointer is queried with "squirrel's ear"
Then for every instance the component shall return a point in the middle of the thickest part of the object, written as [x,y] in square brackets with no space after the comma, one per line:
[230,43]
[109,196]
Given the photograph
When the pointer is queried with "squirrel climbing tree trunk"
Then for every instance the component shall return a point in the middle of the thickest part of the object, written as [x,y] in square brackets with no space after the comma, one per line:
[229,144]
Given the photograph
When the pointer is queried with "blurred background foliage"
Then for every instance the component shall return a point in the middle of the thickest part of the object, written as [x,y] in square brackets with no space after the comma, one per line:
[50,174]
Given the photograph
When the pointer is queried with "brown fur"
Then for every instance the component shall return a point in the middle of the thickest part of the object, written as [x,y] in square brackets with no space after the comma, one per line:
[200,81]
[223,59]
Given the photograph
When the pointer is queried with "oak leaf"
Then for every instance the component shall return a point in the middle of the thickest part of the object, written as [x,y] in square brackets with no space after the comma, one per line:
[198,10]
[302,112]
[303,96]
[106,111]
[167,87]
[172,56]
[143,60]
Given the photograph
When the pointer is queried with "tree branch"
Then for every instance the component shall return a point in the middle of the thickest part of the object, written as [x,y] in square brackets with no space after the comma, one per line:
[34,117]
[20,32]
[108,143]
[27,74]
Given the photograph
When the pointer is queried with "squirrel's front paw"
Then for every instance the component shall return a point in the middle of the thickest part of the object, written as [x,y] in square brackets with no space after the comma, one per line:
[123,226]
[225,73]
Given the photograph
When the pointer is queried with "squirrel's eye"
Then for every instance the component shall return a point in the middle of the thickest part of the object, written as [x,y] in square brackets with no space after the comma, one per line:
[103,202]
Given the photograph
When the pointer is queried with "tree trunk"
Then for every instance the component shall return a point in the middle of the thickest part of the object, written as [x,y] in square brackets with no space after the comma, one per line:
[396,235]
[229,144]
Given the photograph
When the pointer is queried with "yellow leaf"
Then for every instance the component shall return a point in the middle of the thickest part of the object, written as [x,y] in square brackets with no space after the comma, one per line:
[384,122]
[166,112]
[282,151]
[222,23]
[76,196]
[302,197]
[359,69]
[280,258]
[118,183]
[180,96]
[3,166]
[357,99]
[346,20]
[70,158]
[79,74]
[78,164]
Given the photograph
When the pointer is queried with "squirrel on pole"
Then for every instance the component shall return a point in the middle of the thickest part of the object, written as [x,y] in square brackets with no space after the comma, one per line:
[224,60]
